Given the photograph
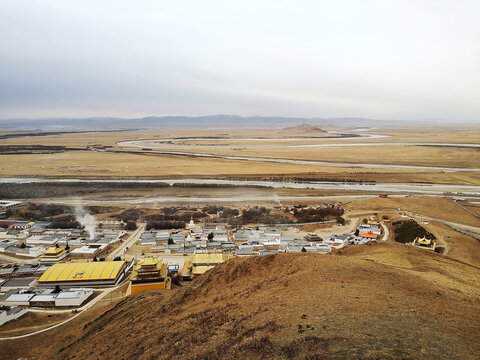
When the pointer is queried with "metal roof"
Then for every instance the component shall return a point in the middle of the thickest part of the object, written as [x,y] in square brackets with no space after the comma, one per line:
[19,297]
[73,294]
[101,270]
[43,298]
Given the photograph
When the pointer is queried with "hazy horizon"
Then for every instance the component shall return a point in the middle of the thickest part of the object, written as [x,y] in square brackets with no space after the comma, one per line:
[312,119]
[395,60]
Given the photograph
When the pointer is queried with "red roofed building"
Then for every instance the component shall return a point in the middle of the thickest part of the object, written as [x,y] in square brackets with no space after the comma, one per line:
[368,235]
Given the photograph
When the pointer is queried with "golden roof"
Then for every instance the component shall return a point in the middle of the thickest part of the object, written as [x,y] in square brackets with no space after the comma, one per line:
[101,270]
[187,266]
[209,258]
[54,251]
[202,269]
[423,240]
[149,261]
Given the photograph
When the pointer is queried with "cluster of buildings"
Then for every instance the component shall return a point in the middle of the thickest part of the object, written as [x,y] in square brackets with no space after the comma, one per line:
[19,294]
[66,284]
[6,205]
[66,270]
[72,274]
[196,239]
[37,240]
[260,241]
[39,277]
[364,234]
[46,298]
[19,270]
[367,232]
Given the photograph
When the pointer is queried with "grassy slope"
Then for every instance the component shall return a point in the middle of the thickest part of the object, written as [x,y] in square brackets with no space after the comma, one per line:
[381,301]
[435,207]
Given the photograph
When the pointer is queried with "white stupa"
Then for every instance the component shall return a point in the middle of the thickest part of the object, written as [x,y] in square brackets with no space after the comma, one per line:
[191,224]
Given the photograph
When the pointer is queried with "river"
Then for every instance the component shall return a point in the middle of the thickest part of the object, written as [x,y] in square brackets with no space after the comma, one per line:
[405,188]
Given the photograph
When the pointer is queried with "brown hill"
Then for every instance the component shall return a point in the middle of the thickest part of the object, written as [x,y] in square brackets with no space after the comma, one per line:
[372,301]
[305,128]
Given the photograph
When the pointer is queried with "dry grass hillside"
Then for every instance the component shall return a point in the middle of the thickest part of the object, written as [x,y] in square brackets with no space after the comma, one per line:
[436,207]
[307,129]
[384,301]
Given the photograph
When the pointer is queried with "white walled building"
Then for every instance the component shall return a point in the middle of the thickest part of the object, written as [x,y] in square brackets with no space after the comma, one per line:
[73,297]
[8,313]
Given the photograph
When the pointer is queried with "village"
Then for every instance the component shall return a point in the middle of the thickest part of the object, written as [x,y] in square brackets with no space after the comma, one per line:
[46,268]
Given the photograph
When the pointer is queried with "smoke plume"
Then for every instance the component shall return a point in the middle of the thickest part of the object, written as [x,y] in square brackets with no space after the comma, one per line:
[86,220]
[277,199]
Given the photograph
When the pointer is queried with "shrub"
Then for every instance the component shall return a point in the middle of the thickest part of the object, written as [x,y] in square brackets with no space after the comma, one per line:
[130,214]
[131,225]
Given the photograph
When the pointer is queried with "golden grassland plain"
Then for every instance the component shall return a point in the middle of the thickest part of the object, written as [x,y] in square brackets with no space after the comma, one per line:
[111,138]
[434,207]
[92,164]
[384,154]
[104,164]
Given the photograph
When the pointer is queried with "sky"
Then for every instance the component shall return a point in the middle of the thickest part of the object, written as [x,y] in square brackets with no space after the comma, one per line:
[405,59]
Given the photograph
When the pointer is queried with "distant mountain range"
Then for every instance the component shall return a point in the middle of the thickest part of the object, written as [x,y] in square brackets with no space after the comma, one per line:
[212,121]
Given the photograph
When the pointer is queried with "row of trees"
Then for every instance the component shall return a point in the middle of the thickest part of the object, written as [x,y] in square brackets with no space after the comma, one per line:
[407,230]
[165,225]
[167,214]
[53,189]
[320,214]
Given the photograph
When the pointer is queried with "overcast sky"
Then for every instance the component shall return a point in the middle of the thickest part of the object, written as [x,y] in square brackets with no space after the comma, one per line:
[379,59]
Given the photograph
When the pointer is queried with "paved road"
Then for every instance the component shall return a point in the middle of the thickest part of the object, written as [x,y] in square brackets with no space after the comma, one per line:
[464,208]
[473,229]
[128,243]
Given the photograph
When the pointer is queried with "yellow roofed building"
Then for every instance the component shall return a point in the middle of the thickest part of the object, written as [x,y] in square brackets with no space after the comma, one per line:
[199,264]
[53,254]
[149,273]
[425,243]
[95,273]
